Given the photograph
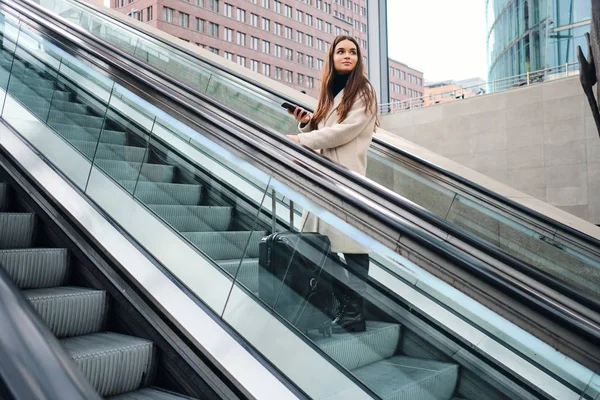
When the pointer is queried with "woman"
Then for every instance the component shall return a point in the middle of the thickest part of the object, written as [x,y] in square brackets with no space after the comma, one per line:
[341,128]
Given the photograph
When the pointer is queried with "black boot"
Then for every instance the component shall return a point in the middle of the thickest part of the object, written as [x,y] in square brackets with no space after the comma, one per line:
[350,316]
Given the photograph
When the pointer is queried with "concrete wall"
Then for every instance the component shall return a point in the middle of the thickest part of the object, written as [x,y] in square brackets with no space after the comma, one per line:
[540,140]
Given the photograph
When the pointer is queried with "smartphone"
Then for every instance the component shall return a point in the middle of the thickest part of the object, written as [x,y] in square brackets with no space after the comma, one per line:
[289,106]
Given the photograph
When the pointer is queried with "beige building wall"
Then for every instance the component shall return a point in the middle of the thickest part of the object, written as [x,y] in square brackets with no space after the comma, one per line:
[540,140]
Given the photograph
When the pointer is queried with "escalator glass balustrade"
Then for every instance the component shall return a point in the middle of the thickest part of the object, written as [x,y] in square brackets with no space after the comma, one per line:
[202,212]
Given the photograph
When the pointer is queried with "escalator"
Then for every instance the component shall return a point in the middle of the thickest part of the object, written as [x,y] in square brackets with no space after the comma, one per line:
[548,250]
[196,195]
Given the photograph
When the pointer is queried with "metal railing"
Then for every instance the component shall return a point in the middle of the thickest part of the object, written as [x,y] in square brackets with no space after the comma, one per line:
[500,85]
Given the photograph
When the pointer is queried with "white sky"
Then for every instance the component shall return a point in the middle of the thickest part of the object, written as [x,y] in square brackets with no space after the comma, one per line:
[444,39]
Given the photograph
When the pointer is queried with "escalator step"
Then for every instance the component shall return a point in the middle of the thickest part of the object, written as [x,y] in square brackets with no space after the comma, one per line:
[227,245]
[406,378]
[151,394]
[36,268]
[70,118]
[70,311]
[73,132]
[16,230]
[124,170]
[70,106]
[4,191]
[248,271]
[108,151]
[355,350]
[195,218]
[165,193]
[113,363]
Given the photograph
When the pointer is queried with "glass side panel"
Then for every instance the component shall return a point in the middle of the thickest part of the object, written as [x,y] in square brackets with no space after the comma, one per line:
[560,257]
[341,315]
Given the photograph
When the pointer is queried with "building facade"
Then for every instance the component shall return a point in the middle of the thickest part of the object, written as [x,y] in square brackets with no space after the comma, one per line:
[529,35]
[405,82]
[285,40]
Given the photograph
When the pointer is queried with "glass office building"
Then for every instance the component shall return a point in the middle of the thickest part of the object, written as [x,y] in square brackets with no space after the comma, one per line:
[529,35]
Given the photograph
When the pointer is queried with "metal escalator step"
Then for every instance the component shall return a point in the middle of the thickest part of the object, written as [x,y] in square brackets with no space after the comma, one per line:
[16,230]
[36,268]
[4,191]
[70,311]
[71,118]
[406,378]
[106,151]
[195,218]
[69,106]
[151,394]
[74,132]
[164,193]
[247,274]
[113,363]
[124,170]
[355,350]
[227,245]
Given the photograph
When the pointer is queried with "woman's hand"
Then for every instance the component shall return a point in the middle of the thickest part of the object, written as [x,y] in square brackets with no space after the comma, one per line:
[294,138]
[301,115]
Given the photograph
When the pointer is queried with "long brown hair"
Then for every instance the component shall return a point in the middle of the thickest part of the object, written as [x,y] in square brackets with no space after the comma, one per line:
[357,85]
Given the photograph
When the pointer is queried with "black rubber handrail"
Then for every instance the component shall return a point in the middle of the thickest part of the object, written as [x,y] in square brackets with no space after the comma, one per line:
[528,295]
[591,241]
[34,365]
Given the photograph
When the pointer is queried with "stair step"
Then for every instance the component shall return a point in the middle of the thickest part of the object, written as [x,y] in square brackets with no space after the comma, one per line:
[355,350]
[195,218]
[227,245]
[124,170]
[70,311]
[106,151]
[36,268]
[74,132]
[4,192]
[248,273]
[151,394]
[71,118]
[113,363]
[164,193]
[70,106]
[407,378]
[16,230]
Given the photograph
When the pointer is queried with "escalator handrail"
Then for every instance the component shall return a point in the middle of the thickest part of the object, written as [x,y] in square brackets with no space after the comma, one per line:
[527,294]
[530,213]
[34,364]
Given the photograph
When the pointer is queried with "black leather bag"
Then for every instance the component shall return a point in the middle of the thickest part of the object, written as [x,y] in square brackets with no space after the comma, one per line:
[293,280]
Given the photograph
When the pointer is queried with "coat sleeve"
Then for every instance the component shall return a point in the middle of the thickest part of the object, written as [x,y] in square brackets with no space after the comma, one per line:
[304,129]
[339,133]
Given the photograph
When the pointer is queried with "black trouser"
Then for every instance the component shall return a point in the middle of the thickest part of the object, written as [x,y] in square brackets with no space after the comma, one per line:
[351,275]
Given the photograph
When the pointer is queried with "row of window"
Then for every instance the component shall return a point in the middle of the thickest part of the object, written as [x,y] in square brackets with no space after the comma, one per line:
[319,4]
[396,73]
[395,88]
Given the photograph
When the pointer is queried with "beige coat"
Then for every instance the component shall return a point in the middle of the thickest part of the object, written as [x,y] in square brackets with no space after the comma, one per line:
[347,144]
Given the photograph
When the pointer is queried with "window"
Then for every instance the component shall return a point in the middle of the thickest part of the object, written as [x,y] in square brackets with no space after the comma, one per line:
[300,79]
[241,61]
[266,47]
[277,29]
[404,90]
[356,8]
[320,44]
[327,45]
[288,11]
[266,24]
[300,58]
[277,6]
[278,73]
[241,15]
[228,34]
[319,24]
[363,11]
[337,30]
[266,3]
[327,8]
[213,29]
[310,61]
[168,14]
[311,82]
[200,25]
[309,40]
[214,50]
[289,54]
[319,64]
[288,32]
[420,81]
[254,43]
[346,32]
[319,4]
[228,10]
[184,20]
[309,20]
[363,44]
[254,65]
[241,39]
[363,27]
[120,3]
[254,20]
[149,14]
[266,69]
[289,76]
[328,27]
[299,15]
[214,6]
[299,37]
[228,56]
[278,50]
